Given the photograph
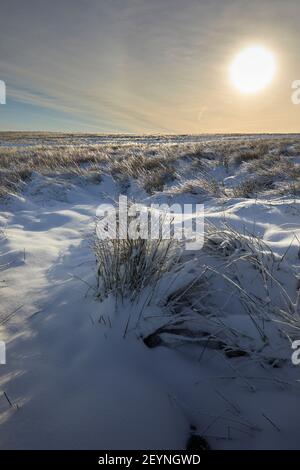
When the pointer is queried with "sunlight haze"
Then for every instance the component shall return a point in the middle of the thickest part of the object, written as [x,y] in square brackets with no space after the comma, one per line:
[145,67]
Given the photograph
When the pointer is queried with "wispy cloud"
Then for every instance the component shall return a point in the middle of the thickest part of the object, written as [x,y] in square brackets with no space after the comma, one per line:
[141,66]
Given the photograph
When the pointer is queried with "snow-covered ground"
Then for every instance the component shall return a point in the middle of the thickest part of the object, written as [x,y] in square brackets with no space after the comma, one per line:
[74,381]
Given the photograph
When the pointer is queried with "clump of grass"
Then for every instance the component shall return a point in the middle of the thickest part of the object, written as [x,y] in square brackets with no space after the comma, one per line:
[278,169]
[202,185]
[290,316]
[254,151]
[274,166]
[127,265]
[252,186]
[154,181]
[12,180]
[225,241]
[152,172]
[202,151]
[17,164]
[267,172]
[246,253]
[289,148]
[293,188]
[269,299]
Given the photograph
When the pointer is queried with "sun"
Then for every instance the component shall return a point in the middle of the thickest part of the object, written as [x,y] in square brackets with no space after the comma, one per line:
[252,69]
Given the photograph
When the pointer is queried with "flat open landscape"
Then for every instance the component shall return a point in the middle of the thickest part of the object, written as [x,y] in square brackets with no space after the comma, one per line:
[145,344]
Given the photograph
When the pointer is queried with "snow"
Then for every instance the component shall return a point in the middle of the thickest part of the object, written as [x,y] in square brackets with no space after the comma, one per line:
[74,387]
[76,382]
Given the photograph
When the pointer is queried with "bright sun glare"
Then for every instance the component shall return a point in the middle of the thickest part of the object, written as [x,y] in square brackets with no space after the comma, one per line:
[252,69]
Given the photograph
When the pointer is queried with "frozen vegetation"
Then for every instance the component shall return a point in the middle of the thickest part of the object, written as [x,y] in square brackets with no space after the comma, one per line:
[144,344]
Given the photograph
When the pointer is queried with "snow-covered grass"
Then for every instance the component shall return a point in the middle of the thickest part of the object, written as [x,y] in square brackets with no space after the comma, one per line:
[138,343]
[201,185]
[126,266]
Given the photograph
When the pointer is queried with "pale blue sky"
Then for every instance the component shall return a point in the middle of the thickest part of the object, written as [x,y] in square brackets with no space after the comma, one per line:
[144,66]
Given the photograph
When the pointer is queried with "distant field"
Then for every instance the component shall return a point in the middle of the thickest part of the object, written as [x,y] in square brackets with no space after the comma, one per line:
[118,155]
[49,138]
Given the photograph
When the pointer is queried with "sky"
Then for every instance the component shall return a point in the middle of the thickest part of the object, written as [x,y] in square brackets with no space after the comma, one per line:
[141,66]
